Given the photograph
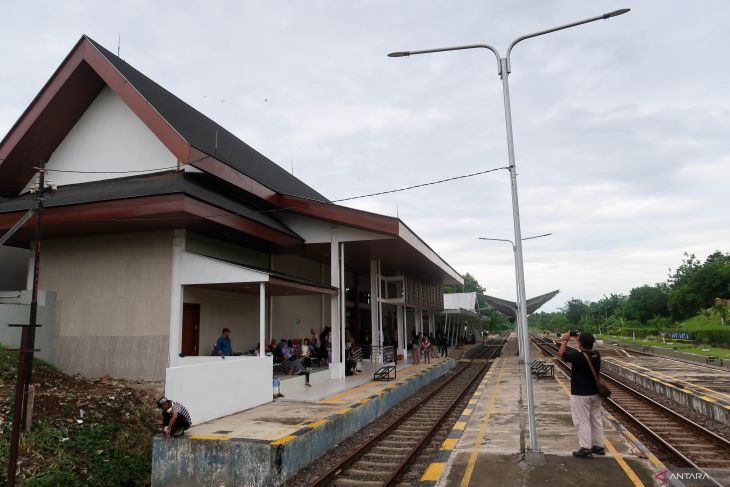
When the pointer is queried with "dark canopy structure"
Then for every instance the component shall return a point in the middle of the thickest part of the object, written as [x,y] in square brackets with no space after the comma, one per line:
[509,308]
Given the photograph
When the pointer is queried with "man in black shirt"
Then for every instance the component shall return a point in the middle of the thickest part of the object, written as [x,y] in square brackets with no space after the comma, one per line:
[585,403]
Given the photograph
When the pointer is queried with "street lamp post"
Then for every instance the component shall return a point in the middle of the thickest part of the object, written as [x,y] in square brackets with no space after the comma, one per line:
[519,296]
[504,71]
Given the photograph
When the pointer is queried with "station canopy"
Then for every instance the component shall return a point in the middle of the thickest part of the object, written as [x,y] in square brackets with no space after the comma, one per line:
[509,308]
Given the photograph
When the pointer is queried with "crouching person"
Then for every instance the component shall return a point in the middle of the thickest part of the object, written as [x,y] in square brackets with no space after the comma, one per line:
[585,403]
[175,417]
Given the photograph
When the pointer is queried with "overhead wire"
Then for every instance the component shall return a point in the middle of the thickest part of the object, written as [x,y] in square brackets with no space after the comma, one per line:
[274,210]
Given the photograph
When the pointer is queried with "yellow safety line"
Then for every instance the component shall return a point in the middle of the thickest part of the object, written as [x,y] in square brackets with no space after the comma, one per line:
[367,385]
[449,443]
[434,471]
[482,430]
[283,440]
[652,458]
[658,374]
[210,437]
[616,455]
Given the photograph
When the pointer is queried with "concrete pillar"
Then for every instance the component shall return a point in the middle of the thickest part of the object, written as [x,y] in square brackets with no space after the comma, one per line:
[337,369]
[176,299]
[402,333]
[376,325]
[446,327]
[262,319]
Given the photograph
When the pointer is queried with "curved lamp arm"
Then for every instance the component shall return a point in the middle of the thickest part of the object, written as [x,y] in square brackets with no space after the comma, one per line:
[562,27]
[456,48]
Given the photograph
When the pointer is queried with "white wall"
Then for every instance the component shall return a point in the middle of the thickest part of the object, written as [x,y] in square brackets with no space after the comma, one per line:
[15,309]
[108,136]
[220,388]
[293,316]
[320,231]
[219,309]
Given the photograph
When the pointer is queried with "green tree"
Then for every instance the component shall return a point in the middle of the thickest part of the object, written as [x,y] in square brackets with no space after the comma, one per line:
[695,285]
[575,309]
[471,285]
[644,302]
[722,311]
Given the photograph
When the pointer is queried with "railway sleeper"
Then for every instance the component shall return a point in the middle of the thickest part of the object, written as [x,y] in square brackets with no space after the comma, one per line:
[365,474]
[369,464]
[382,458]
[344,482]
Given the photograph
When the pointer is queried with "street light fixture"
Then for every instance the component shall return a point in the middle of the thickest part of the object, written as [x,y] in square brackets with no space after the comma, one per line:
[519,296]
[504,70]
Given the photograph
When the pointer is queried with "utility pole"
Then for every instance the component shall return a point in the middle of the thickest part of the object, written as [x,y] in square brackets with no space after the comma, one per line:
[27,342]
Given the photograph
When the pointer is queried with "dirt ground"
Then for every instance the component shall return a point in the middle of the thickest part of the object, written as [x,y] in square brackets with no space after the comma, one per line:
[85,431]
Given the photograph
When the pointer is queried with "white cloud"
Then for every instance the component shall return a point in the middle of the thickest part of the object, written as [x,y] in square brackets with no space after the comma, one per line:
[620,126]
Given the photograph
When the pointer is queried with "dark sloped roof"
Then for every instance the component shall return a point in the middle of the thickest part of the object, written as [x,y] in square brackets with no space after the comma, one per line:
[202,133]
[196,185]
[508,307]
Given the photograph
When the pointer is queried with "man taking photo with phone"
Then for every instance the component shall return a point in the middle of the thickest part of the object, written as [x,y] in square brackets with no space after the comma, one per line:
[585,402]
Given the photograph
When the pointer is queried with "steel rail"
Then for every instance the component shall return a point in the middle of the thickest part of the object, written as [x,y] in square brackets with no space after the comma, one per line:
[359,452]
[427,436]
[711,367]
[550,349]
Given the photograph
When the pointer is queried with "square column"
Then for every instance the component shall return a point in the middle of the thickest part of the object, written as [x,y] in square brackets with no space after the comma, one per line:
[402,335]
[262,319]
[176,299]
[376,326]
[337,368]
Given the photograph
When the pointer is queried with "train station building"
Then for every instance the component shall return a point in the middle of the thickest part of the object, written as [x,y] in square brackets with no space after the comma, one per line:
[165,228]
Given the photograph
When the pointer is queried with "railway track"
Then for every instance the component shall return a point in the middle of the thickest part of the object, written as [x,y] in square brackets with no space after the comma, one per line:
[387,459]
[700,365]
[689,445]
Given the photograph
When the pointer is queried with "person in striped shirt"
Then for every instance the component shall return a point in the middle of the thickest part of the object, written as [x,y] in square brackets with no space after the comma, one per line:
[175,417]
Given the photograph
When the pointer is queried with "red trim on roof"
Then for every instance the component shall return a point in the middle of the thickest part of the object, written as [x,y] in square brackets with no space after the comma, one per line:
[213,166]
[340,214]
[134,214]
[136,102]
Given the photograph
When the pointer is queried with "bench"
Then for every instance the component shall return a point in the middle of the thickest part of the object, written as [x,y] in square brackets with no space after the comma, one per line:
[384,373]
[712,359]
[542,369]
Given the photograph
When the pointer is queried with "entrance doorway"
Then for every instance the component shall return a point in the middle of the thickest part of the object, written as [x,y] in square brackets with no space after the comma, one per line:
[190,329]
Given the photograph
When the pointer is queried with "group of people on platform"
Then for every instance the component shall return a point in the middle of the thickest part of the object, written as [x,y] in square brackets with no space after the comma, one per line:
[423,346]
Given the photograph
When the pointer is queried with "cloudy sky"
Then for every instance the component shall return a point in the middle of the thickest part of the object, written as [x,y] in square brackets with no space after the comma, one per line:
[622,127]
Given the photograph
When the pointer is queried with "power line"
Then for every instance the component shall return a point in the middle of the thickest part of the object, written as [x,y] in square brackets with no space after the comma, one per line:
[419,185]
[76,171]
[304,205]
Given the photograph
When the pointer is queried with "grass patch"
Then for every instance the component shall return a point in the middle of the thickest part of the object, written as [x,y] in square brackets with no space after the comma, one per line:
[682,347]
[699,322]
[85,432]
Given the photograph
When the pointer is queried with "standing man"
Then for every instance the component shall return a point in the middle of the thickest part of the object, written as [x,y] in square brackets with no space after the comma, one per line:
[223,344]
[175,417]
[585,403]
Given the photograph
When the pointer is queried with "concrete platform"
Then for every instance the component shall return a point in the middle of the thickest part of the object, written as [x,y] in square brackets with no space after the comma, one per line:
[265,445]
[700,388]
[483,448]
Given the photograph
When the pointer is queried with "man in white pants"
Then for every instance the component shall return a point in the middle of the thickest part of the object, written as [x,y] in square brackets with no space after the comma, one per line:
[585,403]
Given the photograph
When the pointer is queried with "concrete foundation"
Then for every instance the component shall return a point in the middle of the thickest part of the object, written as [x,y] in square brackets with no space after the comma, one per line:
[218,459]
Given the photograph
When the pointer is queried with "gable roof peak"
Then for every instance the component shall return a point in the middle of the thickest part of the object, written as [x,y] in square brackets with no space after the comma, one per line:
[185,131]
